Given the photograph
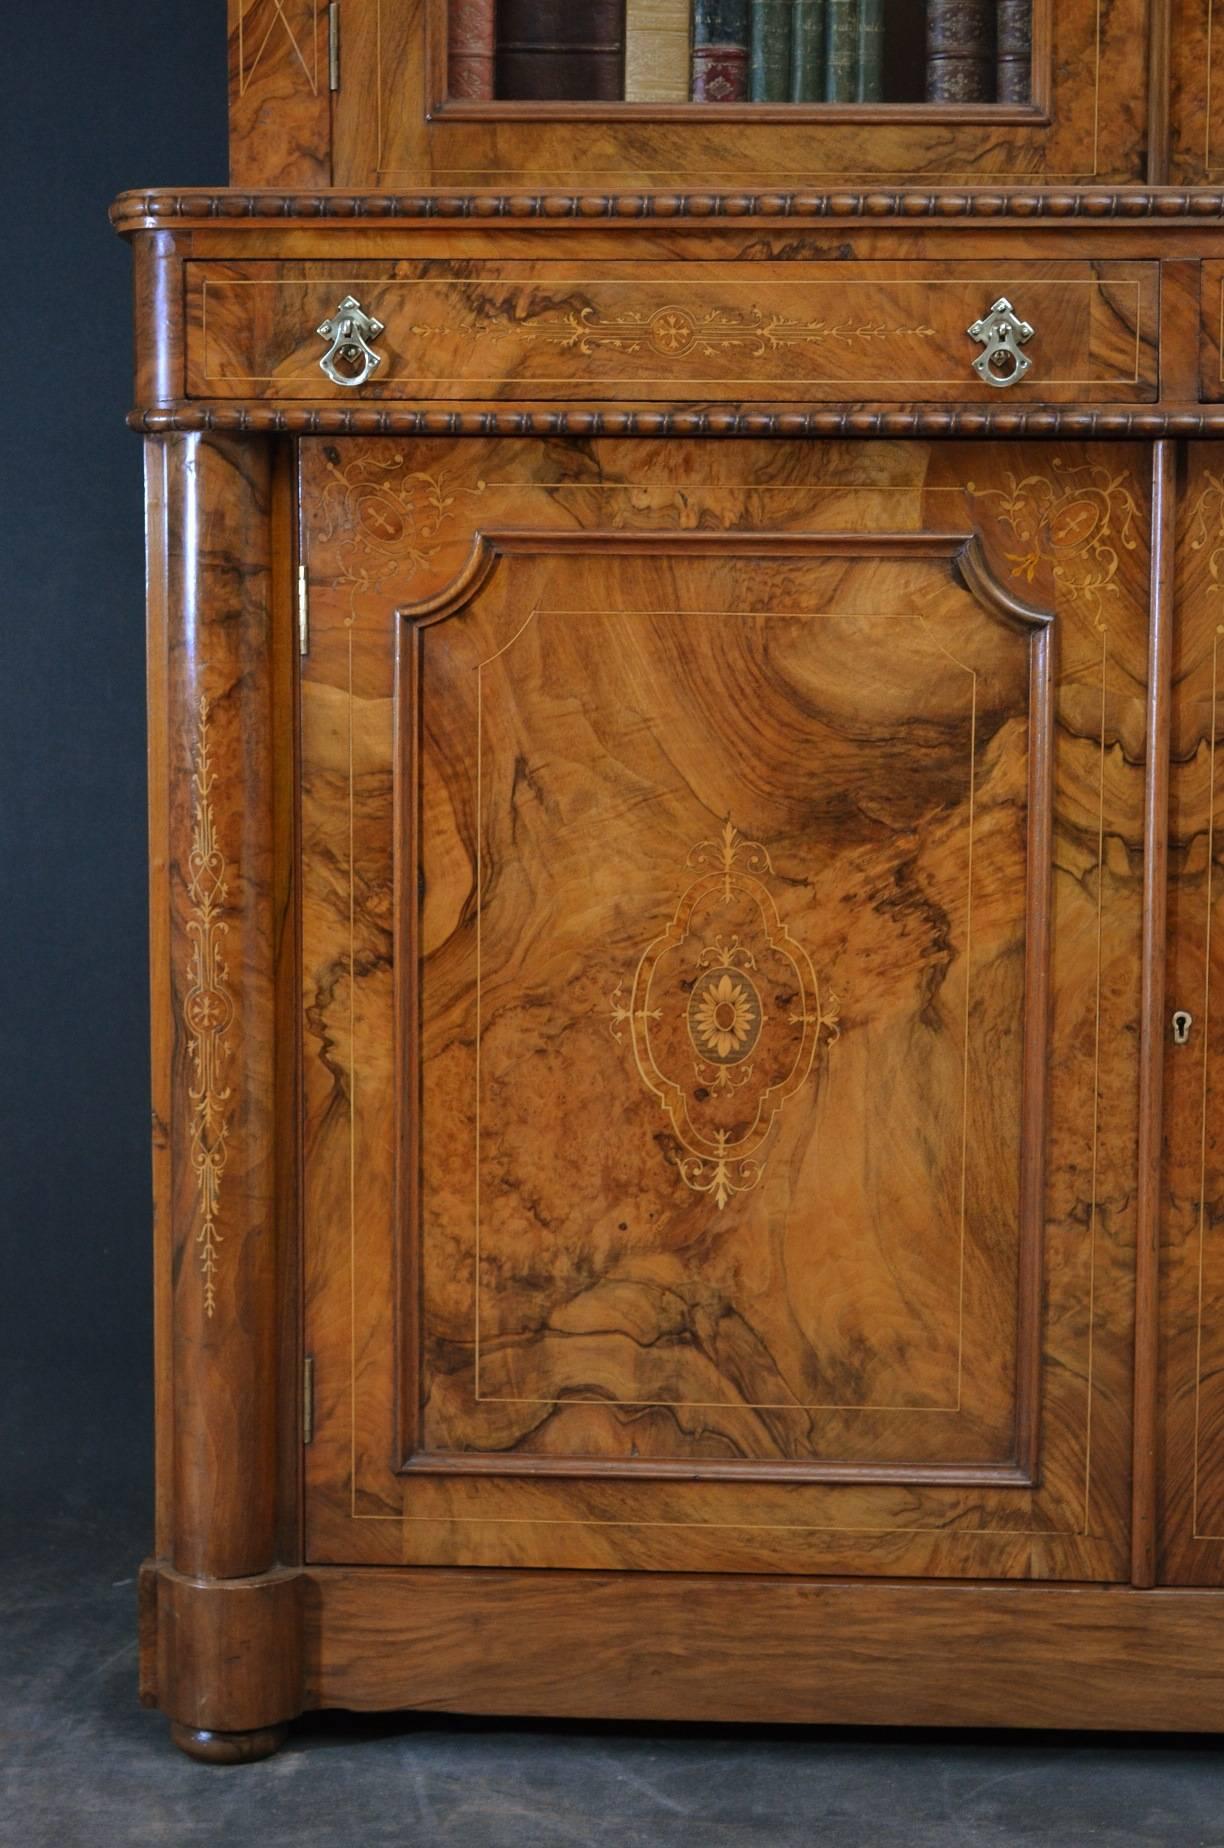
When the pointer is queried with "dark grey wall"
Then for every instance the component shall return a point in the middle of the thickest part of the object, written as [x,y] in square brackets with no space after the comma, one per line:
[98,97]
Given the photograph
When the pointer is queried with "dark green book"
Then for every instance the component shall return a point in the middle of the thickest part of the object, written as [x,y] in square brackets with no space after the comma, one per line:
[769,50]
[841,51]
[870,51]
[808,52]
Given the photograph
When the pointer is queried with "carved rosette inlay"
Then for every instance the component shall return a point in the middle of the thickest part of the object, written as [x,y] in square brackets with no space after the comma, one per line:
[208,1009]
[673,332]
[724,1016]
[1078,517]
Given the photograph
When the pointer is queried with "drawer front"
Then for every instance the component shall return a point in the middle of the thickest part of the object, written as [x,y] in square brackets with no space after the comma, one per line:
[794,332]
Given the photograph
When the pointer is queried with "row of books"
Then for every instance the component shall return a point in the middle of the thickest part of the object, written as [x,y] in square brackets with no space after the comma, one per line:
[979,51]
[724,51]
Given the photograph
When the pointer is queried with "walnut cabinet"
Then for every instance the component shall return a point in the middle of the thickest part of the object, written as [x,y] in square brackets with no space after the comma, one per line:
[689,1156]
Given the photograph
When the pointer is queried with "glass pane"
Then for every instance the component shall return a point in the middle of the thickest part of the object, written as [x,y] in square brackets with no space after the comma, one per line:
[740,51]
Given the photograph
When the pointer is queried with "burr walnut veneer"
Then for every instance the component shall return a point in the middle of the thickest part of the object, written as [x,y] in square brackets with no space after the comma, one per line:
[686,852]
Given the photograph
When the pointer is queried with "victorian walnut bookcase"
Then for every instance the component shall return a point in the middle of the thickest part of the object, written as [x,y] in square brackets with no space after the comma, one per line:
[688,1042]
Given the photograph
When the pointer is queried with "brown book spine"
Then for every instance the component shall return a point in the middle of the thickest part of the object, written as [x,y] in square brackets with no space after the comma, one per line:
[557,51]
[960,51]
[469,50]
[1015,51]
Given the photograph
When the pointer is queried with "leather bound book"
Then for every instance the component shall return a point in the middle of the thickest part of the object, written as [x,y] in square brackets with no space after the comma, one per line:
[841,51]
[1014,63]
[720,51]
[469,50]
[808,51]
[960,51]
[557,51]
[769,50]
[870,51]
[657,51]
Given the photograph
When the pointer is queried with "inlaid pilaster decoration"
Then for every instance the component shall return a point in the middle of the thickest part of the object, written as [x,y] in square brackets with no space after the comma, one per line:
[280,129]
[219,903]
[207,1010]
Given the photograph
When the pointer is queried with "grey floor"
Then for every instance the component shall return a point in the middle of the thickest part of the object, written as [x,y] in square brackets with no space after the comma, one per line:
[80,1764]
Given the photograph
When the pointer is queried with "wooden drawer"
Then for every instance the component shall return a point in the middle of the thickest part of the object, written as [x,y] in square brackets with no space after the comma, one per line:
[496,330]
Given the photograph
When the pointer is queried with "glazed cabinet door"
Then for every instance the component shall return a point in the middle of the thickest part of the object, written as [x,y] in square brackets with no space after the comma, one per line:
[406,115]
[722,873]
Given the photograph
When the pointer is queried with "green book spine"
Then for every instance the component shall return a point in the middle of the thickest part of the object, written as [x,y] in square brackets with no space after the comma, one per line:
[769,51]
[808,52]
[871,51]
[841,51]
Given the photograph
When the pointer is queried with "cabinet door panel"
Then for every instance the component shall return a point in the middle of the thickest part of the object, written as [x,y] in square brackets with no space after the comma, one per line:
[719,986]
[1192,1268]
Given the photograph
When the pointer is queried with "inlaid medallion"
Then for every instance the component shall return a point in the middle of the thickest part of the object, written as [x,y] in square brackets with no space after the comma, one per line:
[725,1016]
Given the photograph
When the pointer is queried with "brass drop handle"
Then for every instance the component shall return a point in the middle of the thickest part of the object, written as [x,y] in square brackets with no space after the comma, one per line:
[1002,334]
[350,359]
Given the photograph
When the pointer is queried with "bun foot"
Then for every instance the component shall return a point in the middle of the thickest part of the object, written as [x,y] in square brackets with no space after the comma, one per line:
[228,1748]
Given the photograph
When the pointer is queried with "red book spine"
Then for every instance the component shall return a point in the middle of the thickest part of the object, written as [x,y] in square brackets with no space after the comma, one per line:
[469,50]
[720,74]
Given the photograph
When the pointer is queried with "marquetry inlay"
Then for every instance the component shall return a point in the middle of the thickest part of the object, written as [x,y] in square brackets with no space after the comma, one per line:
[385,517]
[208,1008]
[674,331]
[724,1016]
[1078,518]
[265,30]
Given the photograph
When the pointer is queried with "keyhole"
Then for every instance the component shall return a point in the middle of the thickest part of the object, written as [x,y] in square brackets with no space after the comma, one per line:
[1182,1022]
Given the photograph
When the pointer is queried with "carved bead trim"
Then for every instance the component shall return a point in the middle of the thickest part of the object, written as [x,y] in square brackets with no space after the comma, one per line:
[1114,425]
[208,1009]
[132,210]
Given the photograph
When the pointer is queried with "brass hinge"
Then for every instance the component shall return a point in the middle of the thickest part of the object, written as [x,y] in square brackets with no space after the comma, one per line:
[333,45]
[303,612]
[308,1399]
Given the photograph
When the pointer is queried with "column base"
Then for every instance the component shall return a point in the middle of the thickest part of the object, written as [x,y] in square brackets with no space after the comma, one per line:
[228,1748]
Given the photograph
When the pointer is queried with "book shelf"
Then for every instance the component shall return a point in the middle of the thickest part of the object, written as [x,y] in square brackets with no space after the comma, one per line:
[692,53]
